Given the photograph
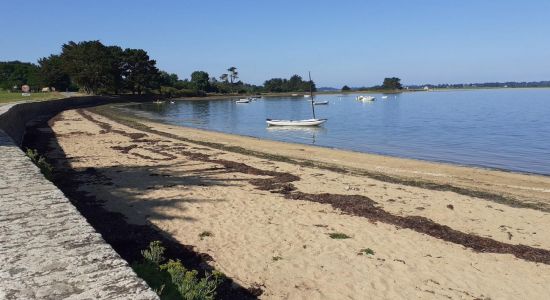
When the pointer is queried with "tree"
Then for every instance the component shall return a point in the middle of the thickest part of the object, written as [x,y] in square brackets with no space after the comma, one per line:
[88,64]
[168,79]
[392,83]
[233,74]
[115,79]
[16,73]
[345,88]
[224,77]
[200,80]
[52,73]
[139,71]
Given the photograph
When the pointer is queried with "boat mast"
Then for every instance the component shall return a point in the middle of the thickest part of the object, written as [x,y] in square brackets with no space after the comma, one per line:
[311,95]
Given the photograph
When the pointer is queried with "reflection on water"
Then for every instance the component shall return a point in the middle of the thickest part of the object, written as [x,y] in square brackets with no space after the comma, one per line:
[306,134]
[503,128]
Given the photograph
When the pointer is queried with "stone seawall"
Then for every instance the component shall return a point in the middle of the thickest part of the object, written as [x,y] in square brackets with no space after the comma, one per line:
[47,249]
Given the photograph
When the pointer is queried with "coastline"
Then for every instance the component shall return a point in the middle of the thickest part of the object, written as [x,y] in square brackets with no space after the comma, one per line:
[271,209]
[523,189]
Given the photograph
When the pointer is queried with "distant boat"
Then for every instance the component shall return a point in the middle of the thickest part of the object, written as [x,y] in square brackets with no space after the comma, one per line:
[243,101]
[365,98]
[320,103]
[172,102]
[294,95]
[158,102]
[307,122]
[384,97]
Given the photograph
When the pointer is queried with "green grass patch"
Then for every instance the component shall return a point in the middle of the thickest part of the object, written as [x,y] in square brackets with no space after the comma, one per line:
[204,234]
[7,97]
[41,163]
[366,251]
[339,236]
[171,280]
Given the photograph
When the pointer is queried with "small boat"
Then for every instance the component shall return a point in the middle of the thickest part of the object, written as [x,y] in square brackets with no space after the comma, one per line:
[320,103]
[384,97]
[243,101]
[365,98]
[309,122]
[158,102]
[294,95]
[306,122]
[172,102]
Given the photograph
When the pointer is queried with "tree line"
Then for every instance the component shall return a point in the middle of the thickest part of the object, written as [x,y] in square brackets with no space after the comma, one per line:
[94,68]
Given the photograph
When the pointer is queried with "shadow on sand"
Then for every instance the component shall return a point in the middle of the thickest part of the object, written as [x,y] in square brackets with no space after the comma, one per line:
[129,238]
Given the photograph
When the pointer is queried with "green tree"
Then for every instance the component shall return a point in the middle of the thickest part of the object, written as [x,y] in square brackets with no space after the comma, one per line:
[52,73]
[345,88]
[224,77]
[200,80]
[88,64]
[139,71]
[16,73]
[233,74]
[392,83]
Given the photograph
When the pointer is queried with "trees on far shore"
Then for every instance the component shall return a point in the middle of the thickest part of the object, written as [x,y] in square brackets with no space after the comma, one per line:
[94,68]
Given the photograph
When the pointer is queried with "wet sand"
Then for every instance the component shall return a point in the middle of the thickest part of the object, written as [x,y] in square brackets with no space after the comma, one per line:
[265,211]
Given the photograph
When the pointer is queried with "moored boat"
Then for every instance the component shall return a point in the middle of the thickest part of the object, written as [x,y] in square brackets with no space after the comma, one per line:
[308,122]
[243,101]
[365,98]
[320,103]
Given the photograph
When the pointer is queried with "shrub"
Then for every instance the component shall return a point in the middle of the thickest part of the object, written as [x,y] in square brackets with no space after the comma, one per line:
[338,236]
[41,163]
[172,280]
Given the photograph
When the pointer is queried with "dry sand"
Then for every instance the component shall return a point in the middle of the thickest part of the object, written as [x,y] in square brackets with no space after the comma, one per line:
[260,237]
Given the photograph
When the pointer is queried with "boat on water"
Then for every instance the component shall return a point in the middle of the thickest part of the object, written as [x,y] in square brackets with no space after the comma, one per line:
[172,102]
[320,103]
[243,101]
[384,97]
[158,102]
[365,98]
[306,122]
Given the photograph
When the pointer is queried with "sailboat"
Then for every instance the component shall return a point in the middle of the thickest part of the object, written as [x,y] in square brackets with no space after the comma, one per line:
[307,122]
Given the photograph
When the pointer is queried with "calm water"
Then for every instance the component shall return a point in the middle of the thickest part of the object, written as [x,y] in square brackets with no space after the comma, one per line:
[504,128]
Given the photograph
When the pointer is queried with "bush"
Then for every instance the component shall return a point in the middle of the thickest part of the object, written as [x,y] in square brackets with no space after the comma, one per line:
[41,163]
[172,280]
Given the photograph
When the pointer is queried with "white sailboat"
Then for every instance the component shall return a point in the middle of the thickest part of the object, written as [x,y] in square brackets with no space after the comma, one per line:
[243,101]
[365,98]
[307,122]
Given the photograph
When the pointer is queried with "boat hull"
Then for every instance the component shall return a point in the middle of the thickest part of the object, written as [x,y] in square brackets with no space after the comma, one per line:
[309,122]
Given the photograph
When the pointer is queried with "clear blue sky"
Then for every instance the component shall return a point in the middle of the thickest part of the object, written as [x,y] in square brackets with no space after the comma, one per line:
[342,42]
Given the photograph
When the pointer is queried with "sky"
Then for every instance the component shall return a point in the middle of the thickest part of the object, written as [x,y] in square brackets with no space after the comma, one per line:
[356,43]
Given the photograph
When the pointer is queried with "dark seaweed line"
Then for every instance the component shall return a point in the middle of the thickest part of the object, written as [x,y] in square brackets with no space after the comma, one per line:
[363,206]
[497,198]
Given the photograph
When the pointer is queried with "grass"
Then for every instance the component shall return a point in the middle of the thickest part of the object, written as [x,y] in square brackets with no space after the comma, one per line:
[366,251]
[7,97]
[171,280]
[41,163]
[338,236]
[205,234]
[276,258]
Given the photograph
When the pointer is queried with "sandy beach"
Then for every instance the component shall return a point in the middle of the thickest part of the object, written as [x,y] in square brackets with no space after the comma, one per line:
[304,222]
